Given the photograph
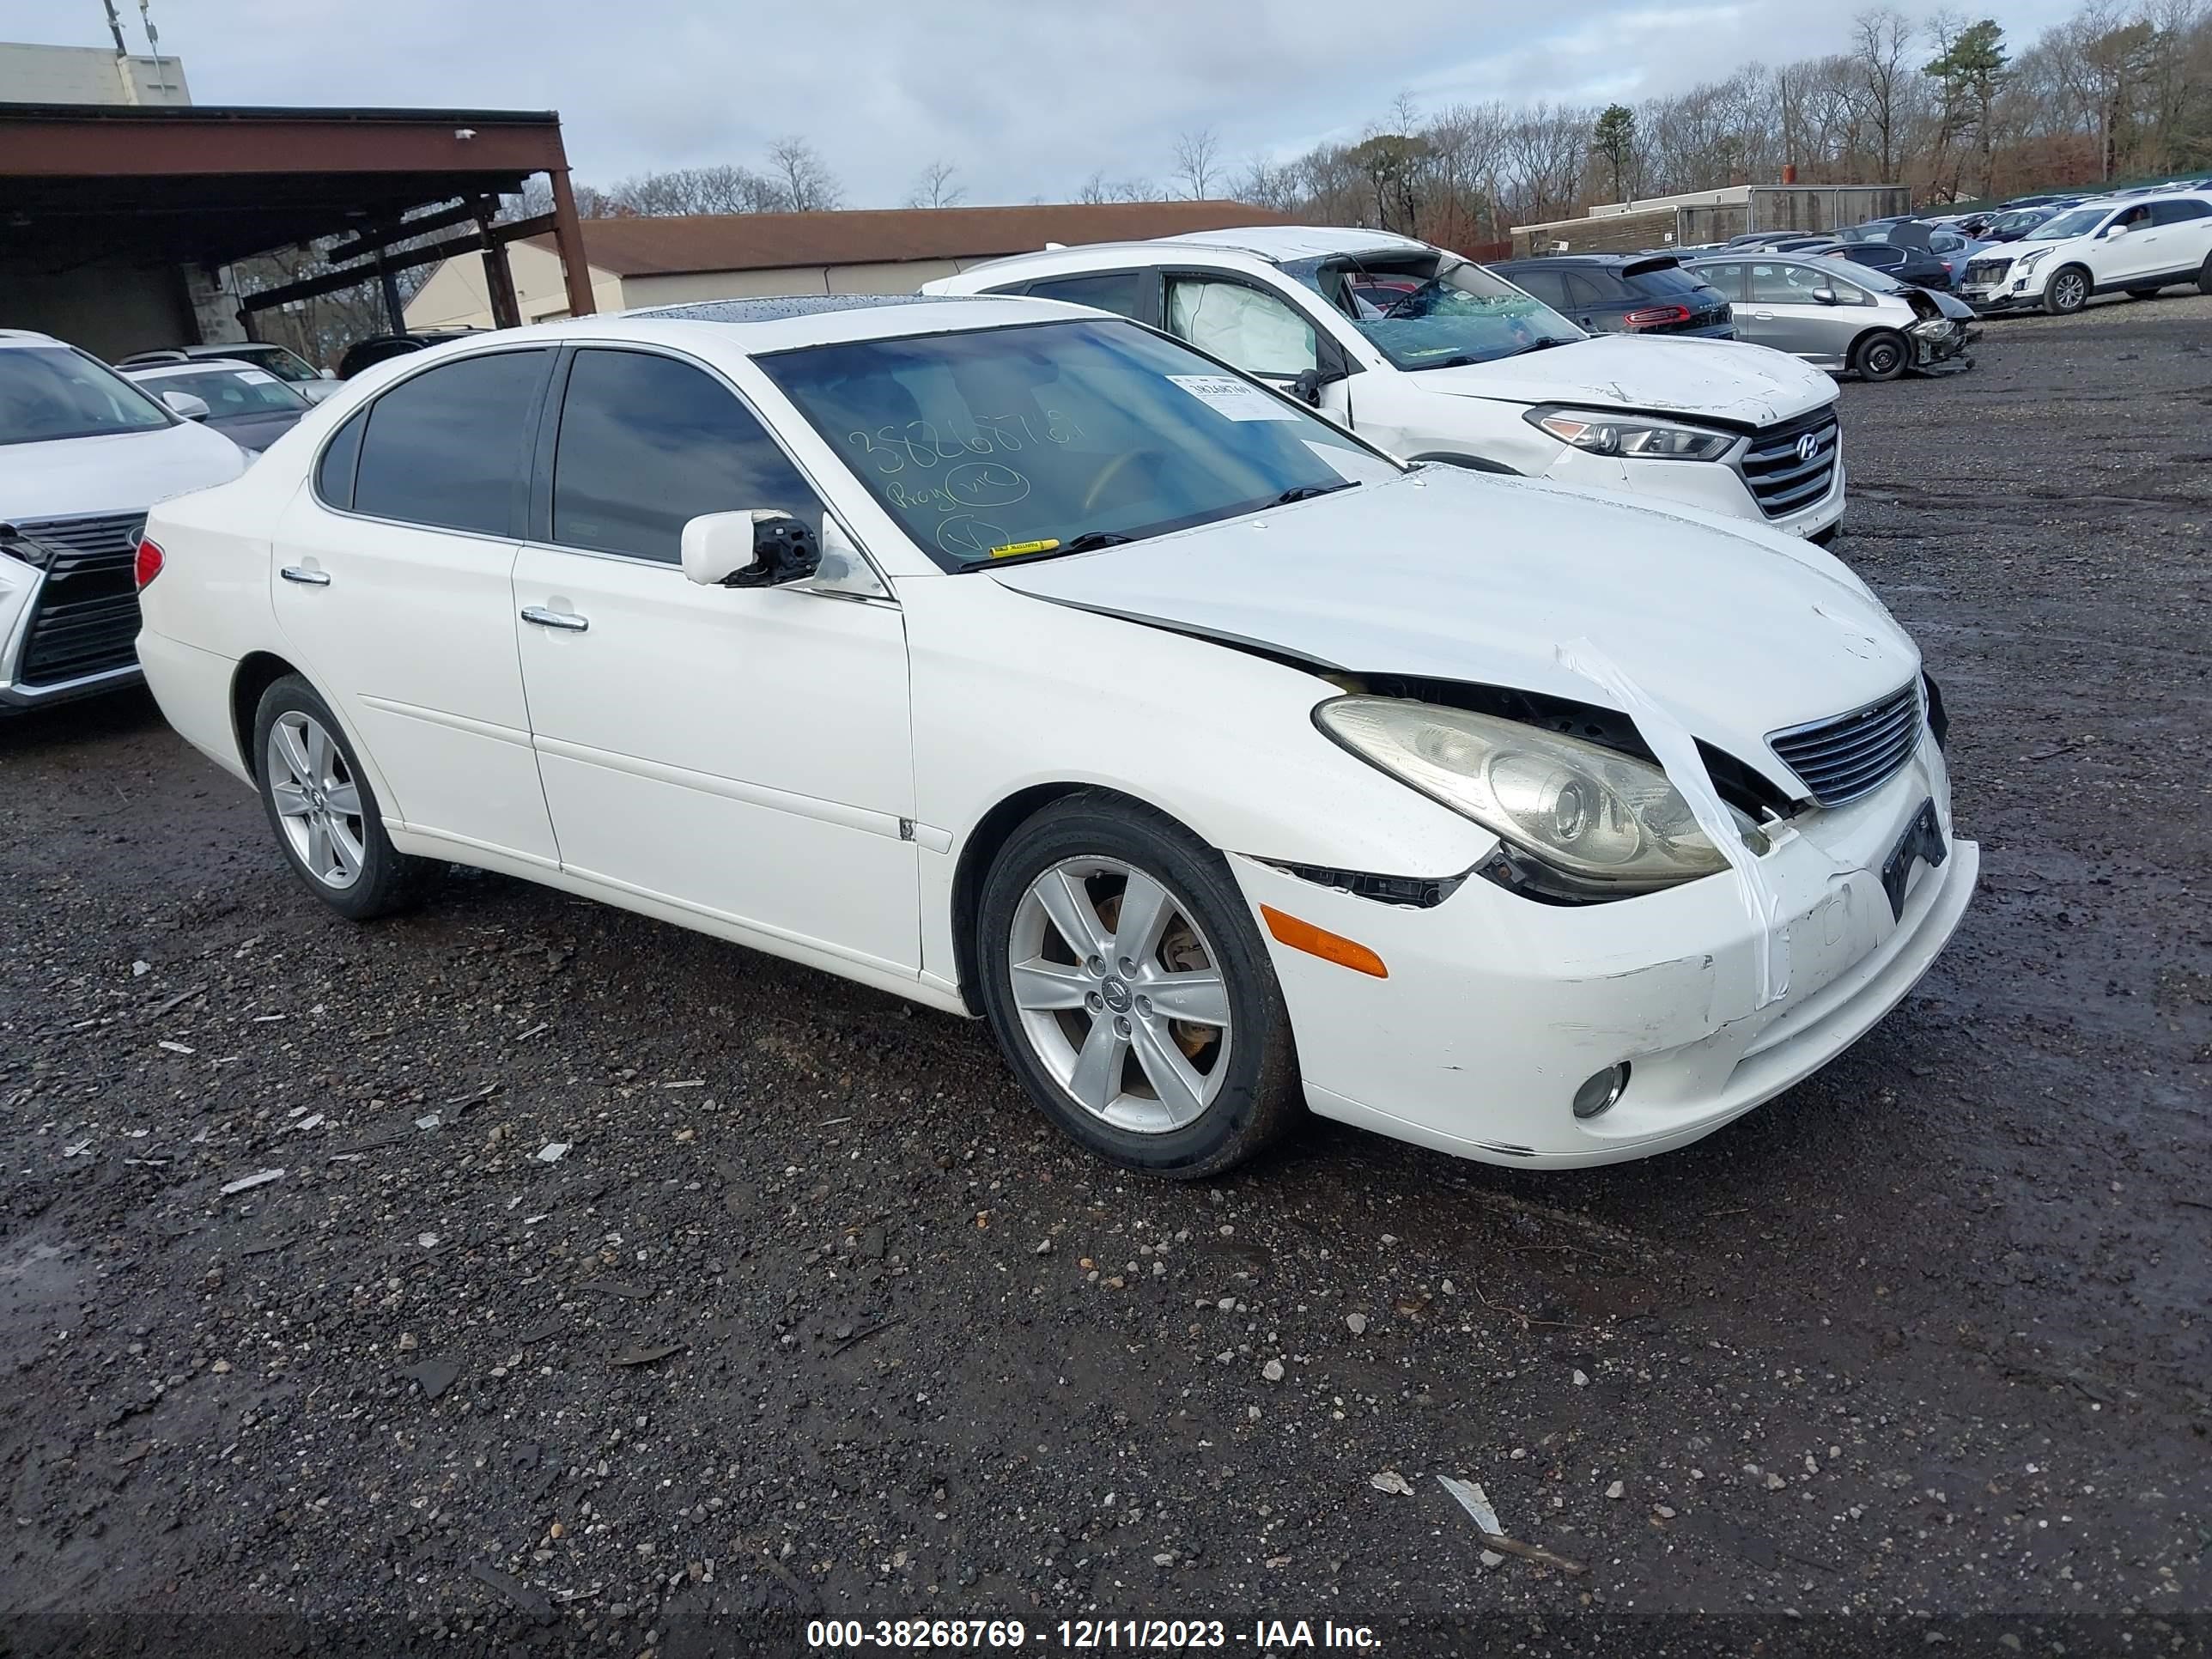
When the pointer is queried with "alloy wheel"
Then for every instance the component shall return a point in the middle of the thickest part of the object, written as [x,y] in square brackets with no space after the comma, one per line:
[1121,994]
[2070,291]
[318,802]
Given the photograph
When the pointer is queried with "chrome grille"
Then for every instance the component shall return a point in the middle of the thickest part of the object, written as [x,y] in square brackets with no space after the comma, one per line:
[1786,472]
[1852,755]
[85,620]
[1987,273]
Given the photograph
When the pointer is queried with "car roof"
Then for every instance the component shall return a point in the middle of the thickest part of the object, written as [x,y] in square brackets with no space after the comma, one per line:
[1263,244]
[756,327]
[1586,259]
[26,336]
[190,366]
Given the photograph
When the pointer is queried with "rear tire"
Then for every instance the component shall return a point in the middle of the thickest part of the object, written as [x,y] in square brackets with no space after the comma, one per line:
[1881,355]
[2204,276]
[1084,1023]
[323,813]
[2069,291]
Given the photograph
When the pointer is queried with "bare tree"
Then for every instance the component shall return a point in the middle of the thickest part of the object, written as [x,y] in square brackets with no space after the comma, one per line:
[935,188]
[1882,41]
[808,184]
[1197,161]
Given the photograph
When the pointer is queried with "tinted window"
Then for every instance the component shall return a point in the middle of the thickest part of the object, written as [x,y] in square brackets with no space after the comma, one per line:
[446,448]
[1118,291]
[1663,281]
[1545,285]
[2172,213]
[334,473]
[648,443]
[1586,289]
[1728,279]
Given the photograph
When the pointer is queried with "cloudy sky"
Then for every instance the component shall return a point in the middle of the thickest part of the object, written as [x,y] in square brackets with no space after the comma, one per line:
[1025,98]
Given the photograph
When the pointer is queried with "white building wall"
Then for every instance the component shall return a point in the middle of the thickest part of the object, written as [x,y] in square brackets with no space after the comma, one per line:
[89,75]
[456,296]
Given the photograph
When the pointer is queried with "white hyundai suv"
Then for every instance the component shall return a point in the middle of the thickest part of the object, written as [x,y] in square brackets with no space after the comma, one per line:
[2134,245]
[1435,359]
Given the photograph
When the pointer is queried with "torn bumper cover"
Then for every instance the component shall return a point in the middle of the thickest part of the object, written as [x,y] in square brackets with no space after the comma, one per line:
[1497,1009]
[1940,340]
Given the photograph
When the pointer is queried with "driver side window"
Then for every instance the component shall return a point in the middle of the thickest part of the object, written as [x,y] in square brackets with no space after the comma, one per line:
[1257,333]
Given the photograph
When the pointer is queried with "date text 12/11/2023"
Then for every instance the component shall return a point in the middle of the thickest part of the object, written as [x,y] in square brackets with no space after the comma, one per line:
[1264,1636]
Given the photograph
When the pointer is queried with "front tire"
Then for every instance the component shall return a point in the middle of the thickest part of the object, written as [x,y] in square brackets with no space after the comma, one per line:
[1881,355]
[2069,291]
[1131,992]
[2204,276]
[323,811]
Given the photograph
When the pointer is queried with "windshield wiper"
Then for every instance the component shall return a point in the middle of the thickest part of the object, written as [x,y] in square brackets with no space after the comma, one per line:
[1539,345]
[1307,492]
[1090,539]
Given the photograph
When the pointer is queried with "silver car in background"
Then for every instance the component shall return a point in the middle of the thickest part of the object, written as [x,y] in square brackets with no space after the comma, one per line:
[1838,316]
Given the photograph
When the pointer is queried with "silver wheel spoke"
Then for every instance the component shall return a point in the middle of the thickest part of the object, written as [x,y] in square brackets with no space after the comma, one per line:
[1050,985]
[291,800]
[293,751]
[345,848]
[344,800]
[1072,912]
[319,844]
[1199,997]
[1180,1090]
[1097,1076]
[1144,914]
[319,752]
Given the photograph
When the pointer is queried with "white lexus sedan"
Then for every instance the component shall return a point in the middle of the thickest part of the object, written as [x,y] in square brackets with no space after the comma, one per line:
[1028,664]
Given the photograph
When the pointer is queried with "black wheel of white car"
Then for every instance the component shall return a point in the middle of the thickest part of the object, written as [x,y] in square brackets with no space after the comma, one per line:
[2067,293]
[2145,292]
[2204,276]
[1883,354]
[1131,992]
[323,811]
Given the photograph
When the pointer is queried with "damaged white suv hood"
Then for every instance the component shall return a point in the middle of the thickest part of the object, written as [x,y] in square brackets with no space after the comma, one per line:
[1461,576]
[1728,381]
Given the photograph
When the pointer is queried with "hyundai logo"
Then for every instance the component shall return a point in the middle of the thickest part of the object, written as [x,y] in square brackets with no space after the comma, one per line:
[1809,446]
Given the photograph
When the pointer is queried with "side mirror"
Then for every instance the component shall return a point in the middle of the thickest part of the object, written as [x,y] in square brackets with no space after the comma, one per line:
[760,549]
[183,403]
[328,374]
[1306,387]
[1826,296]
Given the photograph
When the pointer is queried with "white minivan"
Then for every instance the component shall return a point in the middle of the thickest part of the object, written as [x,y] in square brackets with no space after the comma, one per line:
[83,454]
[1435,359]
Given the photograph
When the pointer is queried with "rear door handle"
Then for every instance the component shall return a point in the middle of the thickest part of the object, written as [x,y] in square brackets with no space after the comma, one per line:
[544,618]
[306,578]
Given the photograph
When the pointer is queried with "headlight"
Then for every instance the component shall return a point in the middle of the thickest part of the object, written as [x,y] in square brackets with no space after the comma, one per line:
[1632,435]
[2026,261]
[1606,825]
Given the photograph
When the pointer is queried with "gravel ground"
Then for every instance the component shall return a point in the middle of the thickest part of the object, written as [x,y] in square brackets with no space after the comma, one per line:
[814,1317]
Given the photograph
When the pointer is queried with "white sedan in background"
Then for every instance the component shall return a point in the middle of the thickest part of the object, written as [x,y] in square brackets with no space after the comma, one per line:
[1027,664]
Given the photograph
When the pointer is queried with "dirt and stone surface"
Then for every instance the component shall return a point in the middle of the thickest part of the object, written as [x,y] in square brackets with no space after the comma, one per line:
[814,1318]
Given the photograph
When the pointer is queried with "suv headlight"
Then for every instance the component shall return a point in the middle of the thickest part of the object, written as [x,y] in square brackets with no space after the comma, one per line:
[1637,436]
[1606,825]
[2026,261]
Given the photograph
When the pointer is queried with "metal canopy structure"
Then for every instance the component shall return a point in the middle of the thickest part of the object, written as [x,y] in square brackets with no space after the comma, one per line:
[210,185]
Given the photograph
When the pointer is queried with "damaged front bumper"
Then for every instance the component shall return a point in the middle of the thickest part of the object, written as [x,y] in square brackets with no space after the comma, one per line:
[1497,1009]
[1942,342]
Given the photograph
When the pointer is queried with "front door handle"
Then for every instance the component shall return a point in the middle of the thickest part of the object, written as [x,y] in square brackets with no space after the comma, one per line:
[1763,316]
[306,578]
[544,618]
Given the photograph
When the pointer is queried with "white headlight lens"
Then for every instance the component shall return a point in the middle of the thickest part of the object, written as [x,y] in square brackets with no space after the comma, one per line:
[1597,816]
[1631,435]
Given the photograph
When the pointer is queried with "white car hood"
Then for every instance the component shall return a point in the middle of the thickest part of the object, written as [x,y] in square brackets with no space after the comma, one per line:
[1464,576]
[1730,381]
[117,473]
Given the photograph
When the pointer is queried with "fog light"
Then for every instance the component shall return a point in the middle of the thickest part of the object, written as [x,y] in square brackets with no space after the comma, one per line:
[1602,1089]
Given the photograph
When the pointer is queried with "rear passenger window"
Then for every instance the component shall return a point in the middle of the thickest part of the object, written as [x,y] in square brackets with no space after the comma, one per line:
[1728,279]
[2174,213]
[648,443]
[1545,285]
[446,447]
[1121,292]
[334,472]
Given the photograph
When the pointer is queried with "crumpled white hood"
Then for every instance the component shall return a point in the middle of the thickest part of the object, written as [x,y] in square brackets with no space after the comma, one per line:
[1731,380]
[117,472]
[1465,576]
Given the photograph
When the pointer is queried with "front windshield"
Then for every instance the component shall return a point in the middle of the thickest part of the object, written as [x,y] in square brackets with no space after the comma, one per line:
[2080,222]
[234,391]
[1450,313]
[1028,441]
[51,392]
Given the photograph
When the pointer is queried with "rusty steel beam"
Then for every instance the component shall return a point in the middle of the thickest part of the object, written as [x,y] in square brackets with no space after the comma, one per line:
[56,142]
[367,242]
[568,242]
[353,276]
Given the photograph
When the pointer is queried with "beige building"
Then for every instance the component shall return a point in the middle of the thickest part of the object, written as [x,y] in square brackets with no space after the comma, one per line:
[655,262]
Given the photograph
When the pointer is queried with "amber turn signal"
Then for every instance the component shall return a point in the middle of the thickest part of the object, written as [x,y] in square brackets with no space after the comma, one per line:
[1320,942]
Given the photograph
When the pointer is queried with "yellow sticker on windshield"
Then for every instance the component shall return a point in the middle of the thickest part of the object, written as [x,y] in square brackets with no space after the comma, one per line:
[1008,550]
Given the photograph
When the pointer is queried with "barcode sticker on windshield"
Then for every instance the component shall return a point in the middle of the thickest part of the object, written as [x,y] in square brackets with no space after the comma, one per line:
[1235,400]
[256,376]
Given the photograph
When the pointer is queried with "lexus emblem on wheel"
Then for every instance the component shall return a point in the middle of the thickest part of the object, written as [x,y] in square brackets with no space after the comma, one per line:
[1809,446]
